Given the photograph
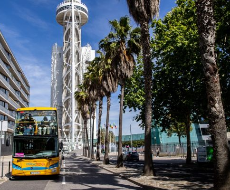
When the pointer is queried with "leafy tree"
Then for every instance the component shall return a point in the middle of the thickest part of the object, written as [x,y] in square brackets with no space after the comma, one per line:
[143,12]
[206,28]
[135,143]
[179,90]
[177,128]
[134,90]
[222,17]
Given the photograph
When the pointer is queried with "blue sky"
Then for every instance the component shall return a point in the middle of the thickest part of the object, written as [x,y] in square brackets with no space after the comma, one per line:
[30,29]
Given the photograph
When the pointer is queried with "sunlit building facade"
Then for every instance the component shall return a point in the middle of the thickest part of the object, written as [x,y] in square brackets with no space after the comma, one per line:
[14,91]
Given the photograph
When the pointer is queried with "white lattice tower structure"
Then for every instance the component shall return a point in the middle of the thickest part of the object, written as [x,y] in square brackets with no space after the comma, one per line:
[71,14]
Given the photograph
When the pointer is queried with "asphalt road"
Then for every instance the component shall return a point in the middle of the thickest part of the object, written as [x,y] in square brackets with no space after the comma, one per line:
[77,173]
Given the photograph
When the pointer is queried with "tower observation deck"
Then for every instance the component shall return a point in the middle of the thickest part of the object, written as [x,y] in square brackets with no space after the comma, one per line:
[79,8]
[72,15]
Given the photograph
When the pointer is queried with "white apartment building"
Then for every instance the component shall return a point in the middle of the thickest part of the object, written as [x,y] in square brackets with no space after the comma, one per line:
[14,92]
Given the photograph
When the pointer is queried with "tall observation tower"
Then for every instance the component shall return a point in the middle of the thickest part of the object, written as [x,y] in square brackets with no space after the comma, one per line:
[72,15]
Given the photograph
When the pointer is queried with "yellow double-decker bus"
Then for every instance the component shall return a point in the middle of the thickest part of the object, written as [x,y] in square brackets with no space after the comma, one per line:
[36,146]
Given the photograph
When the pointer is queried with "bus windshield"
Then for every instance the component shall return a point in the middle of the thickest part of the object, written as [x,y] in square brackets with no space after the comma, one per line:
[36,122]
[35,147]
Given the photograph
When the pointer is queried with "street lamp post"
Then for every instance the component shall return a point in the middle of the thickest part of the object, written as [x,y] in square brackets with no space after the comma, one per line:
[100,141]
[110,142]
[131,137]
[1,140]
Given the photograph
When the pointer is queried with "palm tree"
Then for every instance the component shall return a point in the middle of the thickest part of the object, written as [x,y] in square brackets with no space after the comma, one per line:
[90,85]
[109,83]
[83,105]
[93,80]
[143,12]
[120,45]
[206,30]
[98,154]
[98,68]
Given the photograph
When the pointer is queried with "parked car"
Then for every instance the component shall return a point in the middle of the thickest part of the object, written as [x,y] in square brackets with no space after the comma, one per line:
[131,156]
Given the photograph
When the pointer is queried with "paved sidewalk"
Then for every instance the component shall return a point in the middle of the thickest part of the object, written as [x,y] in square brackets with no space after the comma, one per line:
[5,168]
[183,177]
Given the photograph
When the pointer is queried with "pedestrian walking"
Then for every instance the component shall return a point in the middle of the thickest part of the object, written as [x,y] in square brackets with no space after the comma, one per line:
[158,152]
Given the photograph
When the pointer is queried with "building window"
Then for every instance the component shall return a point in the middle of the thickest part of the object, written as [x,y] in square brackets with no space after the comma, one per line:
[8,53]
[17,92]
[7,65]
[4,104]
[6,78]
[4,90]
[3,117]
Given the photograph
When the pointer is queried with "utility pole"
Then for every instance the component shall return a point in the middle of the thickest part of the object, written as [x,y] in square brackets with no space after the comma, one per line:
[110,142]
[100,140]
[131,137]
[1,140]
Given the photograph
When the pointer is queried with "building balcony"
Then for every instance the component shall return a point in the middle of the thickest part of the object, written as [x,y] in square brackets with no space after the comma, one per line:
[9,100]
[7,86]
[14,68]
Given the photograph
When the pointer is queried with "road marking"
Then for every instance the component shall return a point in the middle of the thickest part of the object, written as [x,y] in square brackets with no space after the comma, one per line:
[63,179]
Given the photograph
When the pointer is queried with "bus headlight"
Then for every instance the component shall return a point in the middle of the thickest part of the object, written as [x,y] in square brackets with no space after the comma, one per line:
[53,167]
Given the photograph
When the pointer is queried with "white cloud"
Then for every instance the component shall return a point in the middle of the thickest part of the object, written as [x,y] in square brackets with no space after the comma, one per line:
[37,73]
[8,32]
[30,17]
[39,78]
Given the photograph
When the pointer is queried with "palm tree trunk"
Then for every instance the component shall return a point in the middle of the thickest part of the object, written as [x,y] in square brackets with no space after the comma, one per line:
[120,157]
[206,30]
[93,112]
[145,40]
[86,137]
[99,130]
[83,140]
[106,157]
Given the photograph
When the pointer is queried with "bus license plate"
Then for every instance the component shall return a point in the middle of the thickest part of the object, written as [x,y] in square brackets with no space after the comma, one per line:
[32,173]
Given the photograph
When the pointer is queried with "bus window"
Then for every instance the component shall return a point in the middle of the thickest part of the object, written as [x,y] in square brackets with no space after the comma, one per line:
[36,122]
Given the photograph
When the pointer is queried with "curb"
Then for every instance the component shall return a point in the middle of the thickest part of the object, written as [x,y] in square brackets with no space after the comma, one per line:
[122,176]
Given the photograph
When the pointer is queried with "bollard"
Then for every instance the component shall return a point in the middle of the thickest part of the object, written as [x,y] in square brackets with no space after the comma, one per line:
[9,166]
[2,170]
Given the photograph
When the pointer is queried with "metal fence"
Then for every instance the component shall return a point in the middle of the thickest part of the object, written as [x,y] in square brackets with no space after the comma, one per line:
[173,149]
[170,149]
